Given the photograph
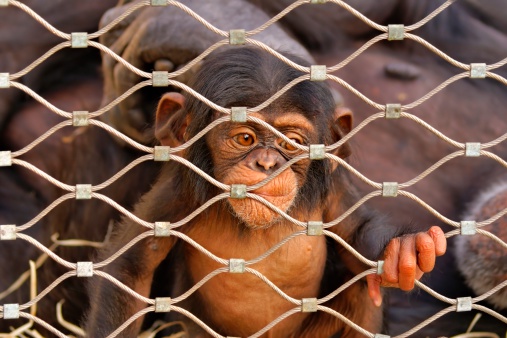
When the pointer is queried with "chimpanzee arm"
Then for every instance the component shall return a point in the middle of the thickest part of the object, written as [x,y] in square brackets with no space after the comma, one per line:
[367,230]
[407,252]
[111,306]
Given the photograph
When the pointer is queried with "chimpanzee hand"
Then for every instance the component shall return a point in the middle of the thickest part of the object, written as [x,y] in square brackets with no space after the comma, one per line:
[406,258]
[165,38]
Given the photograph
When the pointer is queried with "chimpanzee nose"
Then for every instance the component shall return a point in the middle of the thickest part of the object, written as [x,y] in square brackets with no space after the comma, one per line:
[268,160]
[265,160]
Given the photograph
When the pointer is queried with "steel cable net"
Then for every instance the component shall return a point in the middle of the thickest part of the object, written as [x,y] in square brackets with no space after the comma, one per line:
[314,152]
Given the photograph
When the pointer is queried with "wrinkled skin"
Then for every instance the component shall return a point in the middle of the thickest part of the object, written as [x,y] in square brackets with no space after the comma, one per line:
[417,71]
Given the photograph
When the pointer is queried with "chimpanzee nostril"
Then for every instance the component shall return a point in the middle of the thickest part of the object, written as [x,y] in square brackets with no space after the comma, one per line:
[266,160]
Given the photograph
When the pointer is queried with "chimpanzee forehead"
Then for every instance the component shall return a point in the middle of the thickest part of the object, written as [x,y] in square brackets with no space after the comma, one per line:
[288,119]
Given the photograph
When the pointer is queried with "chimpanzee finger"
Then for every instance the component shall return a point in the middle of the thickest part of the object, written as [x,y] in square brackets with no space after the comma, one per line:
[109,68]
[130,107]
[126,116]
[374,282]
[391,261]
[425,251]
[439,239]
[407,263]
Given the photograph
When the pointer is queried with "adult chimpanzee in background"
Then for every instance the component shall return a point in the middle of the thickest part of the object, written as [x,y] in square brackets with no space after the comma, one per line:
[72,155]
[83,155]
[247,153]
[476,256]
[395,72]
[23,40]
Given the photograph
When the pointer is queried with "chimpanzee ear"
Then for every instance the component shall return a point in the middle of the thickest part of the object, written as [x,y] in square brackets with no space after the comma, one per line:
[342,126]
[171,121]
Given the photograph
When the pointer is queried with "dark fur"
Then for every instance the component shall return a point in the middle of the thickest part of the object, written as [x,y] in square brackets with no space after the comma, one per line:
[224,79]
[331,34]
[248,77]
[73,156]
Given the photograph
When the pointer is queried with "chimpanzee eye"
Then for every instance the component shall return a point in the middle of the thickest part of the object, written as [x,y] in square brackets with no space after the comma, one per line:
[289,147]
[245,139]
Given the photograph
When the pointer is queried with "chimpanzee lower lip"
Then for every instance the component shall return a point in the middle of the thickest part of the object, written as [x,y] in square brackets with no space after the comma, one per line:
[283,194]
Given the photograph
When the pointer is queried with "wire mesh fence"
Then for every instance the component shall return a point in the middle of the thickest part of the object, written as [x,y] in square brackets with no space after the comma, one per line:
[86,191]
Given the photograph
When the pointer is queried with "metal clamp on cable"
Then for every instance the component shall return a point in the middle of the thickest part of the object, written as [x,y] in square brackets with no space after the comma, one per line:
[5,158]
[472,149]
[464,304]
[395,32]
[163,304]
[318,73]
[80,118]
[84,269]
[315,228]
[161,153]
[4,80]
[8,232]
[159,2]
[79,40]
[160,78]
[393,111]
[238,191]
[236,265]
[83,191]
[237,37]
[11,311]
[478,70]
[468,228]
[162,229]
[317,151]
[238,114]
[390,189]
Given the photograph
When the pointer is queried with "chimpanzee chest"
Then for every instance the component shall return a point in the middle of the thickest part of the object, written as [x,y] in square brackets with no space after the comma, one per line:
[255,297]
